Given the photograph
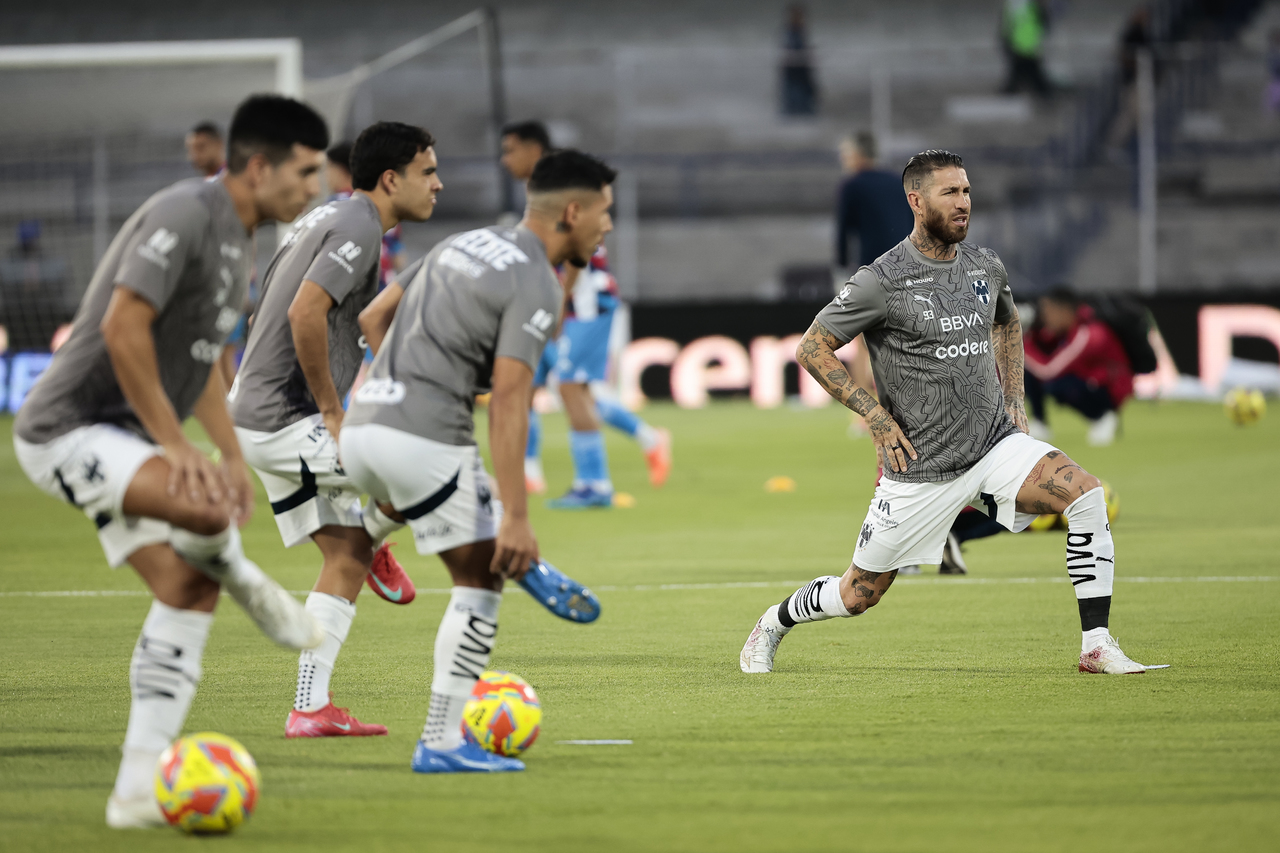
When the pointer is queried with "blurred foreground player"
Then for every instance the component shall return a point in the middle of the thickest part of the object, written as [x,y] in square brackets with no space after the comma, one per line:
[303,355]
[102,428]
[579,359]
[946,348]
[475,316]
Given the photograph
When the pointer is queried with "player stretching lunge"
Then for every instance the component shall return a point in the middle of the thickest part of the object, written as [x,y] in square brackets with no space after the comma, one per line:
[102,429]
[475,315]
[303,354]
[946,349]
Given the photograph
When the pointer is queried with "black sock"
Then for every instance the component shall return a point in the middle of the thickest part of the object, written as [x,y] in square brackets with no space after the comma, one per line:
[784,615]
[1094,612]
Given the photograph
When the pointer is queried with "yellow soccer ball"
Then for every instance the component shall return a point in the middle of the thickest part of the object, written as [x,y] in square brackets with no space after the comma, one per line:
[1044,523]
[1112,499]
[207,783]
[503,714]
[1244,406]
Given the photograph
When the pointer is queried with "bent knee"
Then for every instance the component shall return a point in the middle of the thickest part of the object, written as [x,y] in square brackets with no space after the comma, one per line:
[203,520]
[1089,483]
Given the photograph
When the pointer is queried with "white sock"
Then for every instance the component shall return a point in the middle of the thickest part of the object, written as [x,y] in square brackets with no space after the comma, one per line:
[647,437]
[222,558]
[162,677]
[1090,640]
[1091,561]
[464,642]
[533,468]
[315,666]
[816,601]
[379,525]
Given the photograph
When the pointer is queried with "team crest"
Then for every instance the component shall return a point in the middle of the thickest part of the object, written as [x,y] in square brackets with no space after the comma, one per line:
[981,290]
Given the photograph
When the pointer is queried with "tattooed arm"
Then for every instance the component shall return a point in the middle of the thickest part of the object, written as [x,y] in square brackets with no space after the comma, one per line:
[1006,343]
[817,354]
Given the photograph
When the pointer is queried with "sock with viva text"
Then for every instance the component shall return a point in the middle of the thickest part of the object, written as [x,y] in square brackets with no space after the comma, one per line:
[1091,564]
[816,601]
[315,666]
[590,462]
[163,676]
[464,642]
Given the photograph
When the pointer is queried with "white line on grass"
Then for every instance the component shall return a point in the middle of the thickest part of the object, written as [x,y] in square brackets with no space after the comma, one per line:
[596,742]
[676,587]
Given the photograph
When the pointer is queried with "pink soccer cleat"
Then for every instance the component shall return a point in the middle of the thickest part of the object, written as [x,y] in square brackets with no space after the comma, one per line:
[329,721]
[659,458]
[387,577]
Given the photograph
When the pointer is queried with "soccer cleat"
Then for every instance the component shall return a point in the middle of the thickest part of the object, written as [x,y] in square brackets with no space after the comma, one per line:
[583,498]
[387,577]
[908,570]
[466,758]
[762,645]
[659,458]
[279,615]
[560,594]
[1102,432]
[952,559]
[1107,659]
[329,721]
[142,813]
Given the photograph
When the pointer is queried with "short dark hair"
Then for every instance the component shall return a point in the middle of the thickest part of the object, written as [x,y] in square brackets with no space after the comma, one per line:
[340,155]
[208,128]
[1064,295]
[568,169]
[529,131]
[865,142]
[382,146]
[925,163]
[271,125]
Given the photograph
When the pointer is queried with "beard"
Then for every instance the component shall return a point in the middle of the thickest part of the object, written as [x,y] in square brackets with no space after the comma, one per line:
[942,229]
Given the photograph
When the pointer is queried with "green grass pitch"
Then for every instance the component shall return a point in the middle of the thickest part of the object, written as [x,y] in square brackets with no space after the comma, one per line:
[950,718]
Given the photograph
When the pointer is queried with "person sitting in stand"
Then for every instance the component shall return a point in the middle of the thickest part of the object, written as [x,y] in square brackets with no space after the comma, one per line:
[1078,360]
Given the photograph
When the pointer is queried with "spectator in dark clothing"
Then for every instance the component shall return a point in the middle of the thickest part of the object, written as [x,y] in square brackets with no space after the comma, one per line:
[1078,360]
[871,204]
[799,88]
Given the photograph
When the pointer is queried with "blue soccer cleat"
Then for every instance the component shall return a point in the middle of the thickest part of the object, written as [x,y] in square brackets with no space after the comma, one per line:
[560,594]
[583,498]
[467,758]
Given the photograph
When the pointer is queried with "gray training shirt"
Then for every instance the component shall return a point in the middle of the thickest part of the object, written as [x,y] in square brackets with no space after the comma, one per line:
[928,329]
[337,246]
[187,253]
[476,296]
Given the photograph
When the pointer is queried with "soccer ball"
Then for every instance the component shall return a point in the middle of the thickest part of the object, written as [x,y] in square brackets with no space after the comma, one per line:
[503,714]
[1113,501]
[207,783]
[1244,406]
[1046,522]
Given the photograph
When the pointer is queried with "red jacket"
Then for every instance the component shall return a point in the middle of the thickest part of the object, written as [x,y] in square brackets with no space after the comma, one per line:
[1090,351]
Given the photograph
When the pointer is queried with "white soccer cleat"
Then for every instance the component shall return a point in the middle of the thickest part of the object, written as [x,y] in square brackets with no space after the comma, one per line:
[1102,432]
[762,645]
[952,560]
[1107,659]
[280,616]
[142,813]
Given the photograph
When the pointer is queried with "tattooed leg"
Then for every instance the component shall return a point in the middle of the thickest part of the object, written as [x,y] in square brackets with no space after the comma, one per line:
[1053,483]
[861,589]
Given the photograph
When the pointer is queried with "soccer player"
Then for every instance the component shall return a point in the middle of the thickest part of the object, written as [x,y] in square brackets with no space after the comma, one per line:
[475,316]
[205,150]
[102,428]
[303,355]
[946,347]
[579,358]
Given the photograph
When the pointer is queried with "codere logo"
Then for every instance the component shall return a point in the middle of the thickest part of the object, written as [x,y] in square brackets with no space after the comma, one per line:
[964,349]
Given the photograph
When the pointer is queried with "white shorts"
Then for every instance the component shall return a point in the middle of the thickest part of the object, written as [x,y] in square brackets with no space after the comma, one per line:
[908,522]
[306,485]
[442,489]
[91,469]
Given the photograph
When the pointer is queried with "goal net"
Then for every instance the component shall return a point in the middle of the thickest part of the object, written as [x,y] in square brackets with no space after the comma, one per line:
[90,131]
